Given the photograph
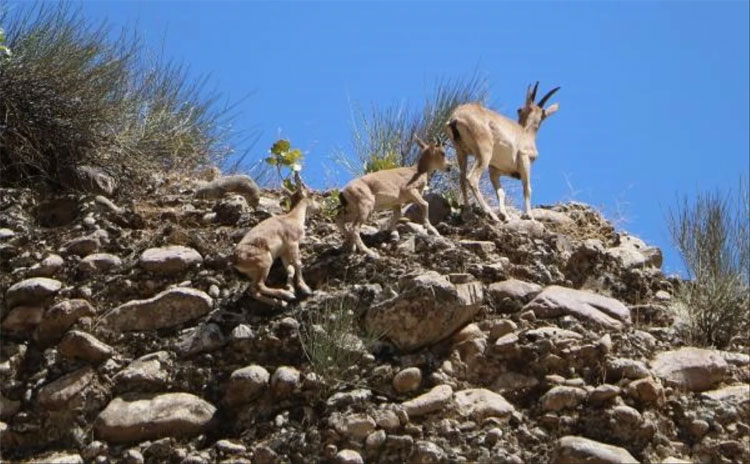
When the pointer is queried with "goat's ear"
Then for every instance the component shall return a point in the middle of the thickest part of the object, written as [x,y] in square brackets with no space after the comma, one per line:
[420,142]
[552,109]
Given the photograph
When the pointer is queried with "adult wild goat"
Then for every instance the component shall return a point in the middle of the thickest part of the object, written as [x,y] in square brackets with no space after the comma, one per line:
[504,146]
[389,189]
[277,237]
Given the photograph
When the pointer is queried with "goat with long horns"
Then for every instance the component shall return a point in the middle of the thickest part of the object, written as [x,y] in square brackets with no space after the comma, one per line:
[504,146]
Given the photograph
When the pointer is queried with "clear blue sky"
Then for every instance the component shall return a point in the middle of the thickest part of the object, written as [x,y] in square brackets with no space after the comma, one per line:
[654,98]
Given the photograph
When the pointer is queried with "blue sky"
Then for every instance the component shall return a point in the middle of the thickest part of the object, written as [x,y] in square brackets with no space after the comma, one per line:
[654,98]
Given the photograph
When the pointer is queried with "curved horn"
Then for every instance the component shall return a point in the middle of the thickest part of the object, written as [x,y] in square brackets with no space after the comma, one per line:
[546,97]
[531,94]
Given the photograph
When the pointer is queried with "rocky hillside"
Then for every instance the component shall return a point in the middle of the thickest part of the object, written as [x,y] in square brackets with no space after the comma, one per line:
[127,337]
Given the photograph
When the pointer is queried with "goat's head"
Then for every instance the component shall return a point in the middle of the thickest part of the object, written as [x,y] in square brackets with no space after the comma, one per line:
[302,193]
[432,156]
[532,114]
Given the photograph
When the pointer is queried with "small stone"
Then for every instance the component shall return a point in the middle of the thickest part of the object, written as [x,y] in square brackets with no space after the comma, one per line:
[31,291]
[202,339]
[58,393]
[647,391]
[407,380]
[689,368]
[6,234]
[285,381]
[169,308]
[576,450]
[356,426]
[375,440]
[170,259]
[80,345]
[348,456]
[246,384]
[480,403]
[510,295]
[386,419]
[493,435]
[23,318]
[48,267]
[432,401]
[147,373]
[603,393]
[99,262]
[426,452]
[94,449]
[501,327]
[230,447]
[58,319]
[133,456]
[562,397]
[698,428]
[619,368]
[87,245]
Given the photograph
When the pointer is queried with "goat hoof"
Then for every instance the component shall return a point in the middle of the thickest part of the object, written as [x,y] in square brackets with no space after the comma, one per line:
[305,291]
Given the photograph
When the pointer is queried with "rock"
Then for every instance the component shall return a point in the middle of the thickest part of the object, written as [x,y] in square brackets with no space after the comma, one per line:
[169,259]
[426,452]
[285,381]
[375,440]
[510,381]
[625,368]
[733,394]
[229,210]
[428,309]
[80,345]
[483,249]
[480,403]
[23,318]
[132,456]
[603,393]
[6,234]
[698,428]
[230,447]
[59,458]
[99,262]
[347,456]
[87,245]
[108,204]
[552,333]
[8,407]
[553,217]
[555,301]
[646,391]
[48,267]
[633,252]
[577,450]
[432,401]
[153,416]
[563,397]
[510,295]
[438,209]
[58,393]
[240,184]
[167,309]
[735,359]
[355,426]
[32,291]
[147,373]
[500,327]
[58,319]
[201,339]
[341,399]
[692,369]
[407,380]
[246,384]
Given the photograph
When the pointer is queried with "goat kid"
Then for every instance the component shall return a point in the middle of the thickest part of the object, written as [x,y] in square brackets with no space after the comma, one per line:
[503,146]
[388,189]
[277,237]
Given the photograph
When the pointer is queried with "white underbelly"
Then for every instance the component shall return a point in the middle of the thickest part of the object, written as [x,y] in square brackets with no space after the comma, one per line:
[504,159]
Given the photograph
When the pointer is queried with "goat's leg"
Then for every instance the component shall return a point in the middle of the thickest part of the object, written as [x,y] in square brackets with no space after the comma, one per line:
[394,222]
[294,257]
[462,159]
[482,162]
[416,197]
[525,171]
[290,271]
[258,286]
[261,286]
[345,217]
[365,208]
[495,179]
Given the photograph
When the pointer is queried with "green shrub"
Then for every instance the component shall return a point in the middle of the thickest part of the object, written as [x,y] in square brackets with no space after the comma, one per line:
[71,94]
[713,237]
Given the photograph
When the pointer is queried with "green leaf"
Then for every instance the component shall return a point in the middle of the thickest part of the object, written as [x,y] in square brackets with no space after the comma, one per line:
[272,160]
[290,185]
[280,146]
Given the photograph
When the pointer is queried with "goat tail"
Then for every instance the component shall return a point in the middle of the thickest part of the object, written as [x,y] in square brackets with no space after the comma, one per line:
[453,126]
[343,202]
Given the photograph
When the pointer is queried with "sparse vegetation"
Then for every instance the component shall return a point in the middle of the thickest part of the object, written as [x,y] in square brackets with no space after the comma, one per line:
[383,137]
[712,234]
[72,94]
[331,342]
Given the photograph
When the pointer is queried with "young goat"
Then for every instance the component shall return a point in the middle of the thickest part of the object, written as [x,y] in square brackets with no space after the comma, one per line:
[504,146]
[388,189]
[276,237]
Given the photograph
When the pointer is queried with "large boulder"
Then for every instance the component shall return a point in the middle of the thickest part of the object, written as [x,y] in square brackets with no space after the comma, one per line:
[31,291]
[150,417]
[427,309]
[170,259]
[577,450]
[557,301]
[693,369]
[239,184]
[167,309]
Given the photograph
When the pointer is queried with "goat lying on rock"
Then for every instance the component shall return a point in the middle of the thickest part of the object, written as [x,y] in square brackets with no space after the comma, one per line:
[504,146]
[276,237]
[388,189]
